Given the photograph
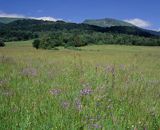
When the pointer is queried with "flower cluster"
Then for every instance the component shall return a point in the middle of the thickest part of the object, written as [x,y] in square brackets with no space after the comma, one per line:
[29,72]
[86,91]
[56,91]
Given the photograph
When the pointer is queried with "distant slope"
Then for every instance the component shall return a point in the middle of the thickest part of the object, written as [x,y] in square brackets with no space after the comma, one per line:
[6,20]
[107,22]
[28,29]
[130,30]
[153,32]
[39,25]
[42,26]
[1,24]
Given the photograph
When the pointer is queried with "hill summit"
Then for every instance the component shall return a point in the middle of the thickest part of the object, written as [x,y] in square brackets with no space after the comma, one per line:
[107,22]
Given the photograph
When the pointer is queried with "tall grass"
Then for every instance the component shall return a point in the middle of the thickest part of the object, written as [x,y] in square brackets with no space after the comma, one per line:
[98,87]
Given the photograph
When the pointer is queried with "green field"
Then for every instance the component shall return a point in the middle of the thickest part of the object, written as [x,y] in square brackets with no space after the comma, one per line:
[105,87]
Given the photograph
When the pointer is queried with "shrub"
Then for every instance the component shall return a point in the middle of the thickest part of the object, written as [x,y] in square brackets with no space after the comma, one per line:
[2,44]
[36,43]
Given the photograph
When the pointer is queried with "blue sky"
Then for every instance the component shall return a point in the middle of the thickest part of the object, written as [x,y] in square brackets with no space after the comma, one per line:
[143,13]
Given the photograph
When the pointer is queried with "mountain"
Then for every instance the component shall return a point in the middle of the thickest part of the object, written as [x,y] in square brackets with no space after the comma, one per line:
[107,22]
[7,20]
[153,32]
[1,24]
[26,29]
[43,26]
[130,30]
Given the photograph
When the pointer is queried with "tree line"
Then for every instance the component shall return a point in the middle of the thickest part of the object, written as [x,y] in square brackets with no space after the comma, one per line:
[75,39]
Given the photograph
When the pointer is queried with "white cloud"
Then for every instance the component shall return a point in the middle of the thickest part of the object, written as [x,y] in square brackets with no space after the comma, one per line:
[158,29]
[45,18]
[139,22]
[11,15]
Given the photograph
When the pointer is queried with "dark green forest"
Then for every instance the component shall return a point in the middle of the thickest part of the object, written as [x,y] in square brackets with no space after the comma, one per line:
[53,40]
[49,35]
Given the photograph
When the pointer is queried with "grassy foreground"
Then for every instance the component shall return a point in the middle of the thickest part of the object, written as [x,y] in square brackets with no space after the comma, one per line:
[105,87]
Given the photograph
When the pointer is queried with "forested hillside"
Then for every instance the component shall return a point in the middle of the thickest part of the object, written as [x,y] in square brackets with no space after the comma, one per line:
[107,22]
[7,20]
[73,34]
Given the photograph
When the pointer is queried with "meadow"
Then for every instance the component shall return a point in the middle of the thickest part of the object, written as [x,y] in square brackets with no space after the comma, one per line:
[103,87]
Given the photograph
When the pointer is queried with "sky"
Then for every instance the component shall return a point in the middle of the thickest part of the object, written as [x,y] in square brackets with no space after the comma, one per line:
[142,13]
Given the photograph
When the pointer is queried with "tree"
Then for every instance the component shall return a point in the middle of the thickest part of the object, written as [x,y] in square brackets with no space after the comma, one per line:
[2,44]
[36,43]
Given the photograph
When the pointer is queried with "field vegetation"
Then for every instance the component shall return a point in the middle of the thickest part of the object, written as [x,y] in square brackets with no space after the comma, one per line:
[101,87]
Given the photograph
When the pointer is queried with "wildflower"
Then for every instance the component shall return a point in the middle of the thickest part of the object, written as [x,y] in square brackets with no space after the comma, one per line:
[7,93]
[109,100]
[110,68]
[86,91]
[78,104]
[109,107]
[3,82]
[95,126]
[65,104]
[55,91]
[29,72]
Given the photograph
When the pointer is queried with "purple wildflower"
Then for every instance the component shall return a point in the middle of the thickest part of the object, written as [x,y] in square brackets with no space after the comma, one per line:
[65,104]
[29,72]
[55,91]
[95,126]
[110,68]
[86,91]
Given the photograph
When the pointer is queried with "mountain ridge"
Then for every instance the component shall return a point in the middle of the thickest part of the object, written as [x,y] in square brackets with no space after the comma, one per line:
[26,29]
[40,25]
[106,22]
[110,22]
[6,20]
[76,34]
